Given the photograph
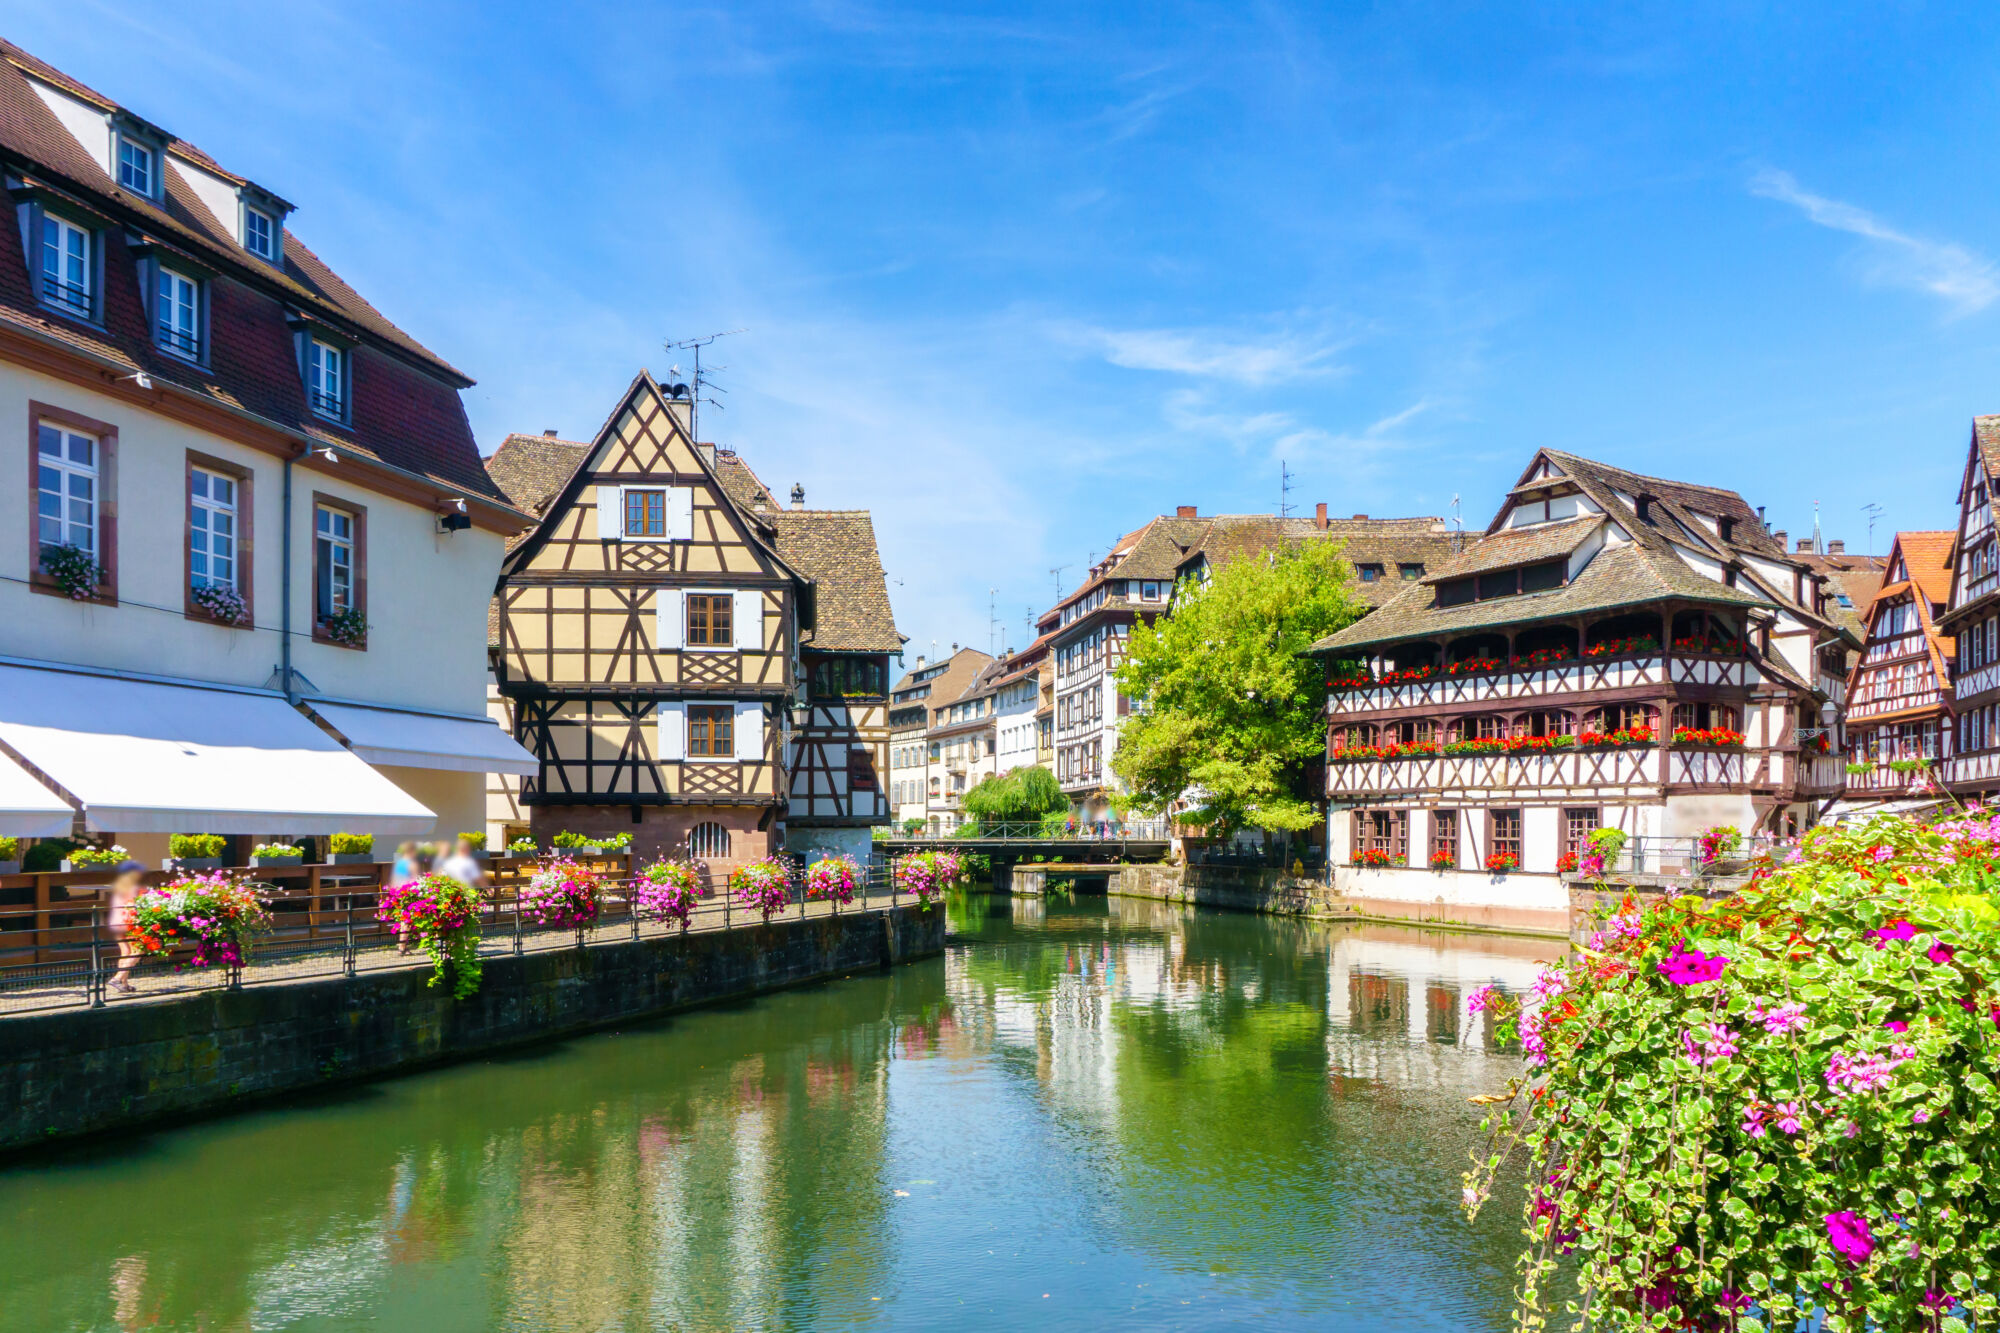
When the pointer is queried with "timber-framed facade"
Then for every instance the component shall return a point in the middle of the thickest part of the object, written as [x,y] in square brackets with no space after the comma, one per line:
[1972,618]
[1900,729]
[685,660]
[1617,651]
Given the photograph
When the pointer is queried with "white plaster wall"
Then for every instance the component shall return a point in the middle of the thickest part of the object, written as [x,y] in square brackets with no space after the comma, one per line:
[427,592]
[1541,838]
[1689,816]
[1519,891]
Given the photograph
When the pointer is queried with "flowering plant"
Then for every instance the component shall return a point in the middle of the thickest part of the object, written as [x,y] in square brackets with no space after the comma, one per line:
[1604,846]
[1349,754]
[1473,666]
[1619,739]
[666,891]
[1719,737]
[1720,843]
[278,849]
[562,894]
[1542,657]
[1360,678]
[349,627]
[1745,1112]
[522,847]
[1443,860]
[1706,644]
[926,874]
[833,877]
[213,913]
[1636,643]
[74,570]
[1373,856]
[1502,862]
[98,856]
[220,600]
[441,915]
[1567,863]
[764,884]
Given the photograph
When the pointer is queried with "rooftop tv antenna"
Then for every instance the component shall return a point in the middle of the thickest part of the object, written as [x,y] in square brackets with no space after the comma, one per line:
[1056,574]
[1874,511]
[1285,506]
[700,382]
[1458,527]
[994,638]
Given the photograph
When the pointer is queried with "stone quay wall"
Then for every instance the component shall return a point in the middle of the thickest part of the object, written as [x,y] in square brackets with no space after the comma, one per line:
[88,1071]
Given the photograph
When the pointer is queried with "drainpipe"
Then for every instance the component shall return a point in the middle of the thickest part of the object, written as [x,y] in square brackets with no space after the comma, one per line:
[285,590]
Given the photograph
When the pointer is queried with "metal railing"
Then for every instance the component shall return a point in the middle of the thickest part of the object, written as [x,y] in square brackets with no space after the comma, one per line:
[57,950]
[1125,830]
[1680,856]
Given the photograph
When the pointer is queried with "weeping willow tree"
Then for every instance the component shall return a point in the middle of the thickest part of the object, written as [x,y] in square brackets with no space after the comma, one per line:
[1226,709]
[1021,795]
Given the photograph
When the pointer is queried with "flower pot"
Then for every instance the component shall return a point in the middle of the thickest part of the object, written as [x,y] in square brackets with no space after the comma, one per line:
[195,862]
[77,868]
[10,867]
[273,862]
[350,859]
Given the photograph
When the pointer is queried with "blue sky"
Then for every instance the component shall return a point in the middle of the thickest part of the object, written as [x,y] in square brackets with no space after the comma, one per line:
[1018,277]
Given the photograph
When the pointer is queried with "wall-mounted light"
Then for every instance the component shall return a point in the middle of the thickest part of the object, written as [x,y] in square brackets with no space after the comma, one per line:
[455,519]
[138,377]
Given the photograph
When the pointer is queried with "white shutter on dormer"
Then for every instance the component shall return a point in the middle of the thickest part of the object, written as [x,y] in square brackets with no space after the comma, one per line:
[750,732]
[669,621]
[672,715]
[610,512]
[680,514]
[750,619]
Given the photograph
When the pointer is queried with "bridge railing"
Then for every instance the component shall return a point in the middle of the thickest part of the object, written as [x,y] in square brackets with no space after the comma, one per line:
[1116,830]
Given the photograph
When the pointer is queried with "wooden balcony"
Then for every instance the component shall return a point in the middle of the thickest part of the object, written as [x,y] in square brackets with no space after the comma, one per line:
[1883,782]
[1980,770]
[1580,771]
[1583,676]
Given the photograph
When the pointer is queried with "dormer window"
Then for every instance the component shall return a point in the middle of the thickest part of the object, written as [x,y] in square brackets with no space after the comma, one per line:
[68,266]
[326,379]
[177,307]
[138,167]
[260,233]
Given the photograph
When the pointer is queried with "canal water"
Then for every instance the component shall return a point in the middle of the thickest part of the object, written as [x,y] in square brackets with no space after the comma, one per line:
[1098,1114]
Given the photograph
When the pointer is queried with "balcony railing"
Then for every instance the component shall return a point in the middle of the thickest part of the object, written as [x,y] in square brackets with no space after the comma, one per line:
[1574,676]
[1632,766]
[1882,780]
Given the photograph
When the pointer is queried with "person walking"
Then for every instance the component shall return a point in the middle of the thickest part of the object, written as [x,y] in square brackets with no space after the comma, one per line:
[125,887]
[463,866]
[404,868]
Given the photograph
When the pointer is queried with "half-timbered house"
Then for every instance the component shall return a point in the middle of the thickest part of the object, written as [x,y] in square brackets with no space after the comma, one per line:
[685,659]
[1899,721]
[1972,618]
[1617,651]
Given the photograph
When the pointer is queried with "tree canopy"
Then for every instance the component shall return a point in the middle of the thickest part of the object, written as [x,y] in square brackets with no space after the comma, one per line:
[1019,795]
[1226,710]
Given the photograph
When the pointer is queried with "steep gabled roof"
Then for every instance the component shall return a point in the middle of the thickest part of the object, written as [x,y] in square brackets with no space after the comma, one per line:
[530,469]
[835,548]
[1388,542]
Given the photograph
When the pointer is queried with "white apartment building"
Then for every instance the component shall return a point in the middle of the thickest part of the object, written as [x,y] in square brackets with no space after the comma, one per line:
[255,546]
[913,704]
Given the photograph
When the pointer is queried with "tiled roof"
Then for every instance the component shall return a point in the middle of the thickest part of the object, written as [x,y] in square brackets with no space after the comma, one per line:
[406,409]
[835,548]
[1986,438]
[530,469]
[1519,546]
[1926,558]
[963,667]
[1367,541]
[745,488]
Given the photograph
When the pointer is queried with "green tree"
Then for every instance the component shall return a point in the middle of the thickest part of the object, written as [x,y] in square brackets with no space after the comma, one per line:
[1226,708]
[1020,795]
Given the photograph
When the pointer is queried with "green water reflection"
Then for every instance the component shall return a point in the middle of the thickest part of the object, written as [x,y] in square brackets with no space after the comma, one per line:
[1089,1114]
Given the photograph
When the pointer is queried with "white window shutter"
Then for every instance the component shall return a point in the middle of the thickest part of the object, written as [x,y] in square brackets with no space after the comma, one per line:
[750,619]
[750,732]
[670,620]
[673,730]
[610,513]
[680,514]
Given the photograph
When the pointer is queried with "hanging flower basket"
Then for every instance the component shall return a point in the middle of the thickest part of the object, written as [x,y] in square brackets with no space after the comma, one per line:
[833,878]
[563,895]
[223,603]
[927,874]
[762,884]
[666,891]
[441,916]
[211,915]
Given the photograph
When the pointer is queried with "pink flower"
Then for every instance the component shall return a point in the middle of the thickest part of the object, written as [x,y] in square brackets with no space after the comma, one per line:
[1941,954]
[1850,1236]
[1920,1116]
[1753,1120]
[1784,1018]
[1788,1117]
[1691,967]
[1882,854]
[1898,929]
[1482,998]
[1897,1025]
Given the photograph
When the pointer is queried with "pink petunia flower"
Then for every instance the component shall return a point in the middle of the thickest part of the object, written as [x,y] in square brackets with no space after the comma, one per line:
[1852,1240]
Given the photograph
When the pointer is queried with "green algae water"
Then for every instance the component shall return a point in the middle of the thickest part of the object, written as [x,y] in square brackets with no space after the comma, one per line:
[1104,1113]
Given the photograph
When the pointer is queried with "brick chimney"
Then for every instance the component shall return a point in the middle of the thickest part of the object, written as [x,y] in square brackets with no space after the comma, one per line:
[550,435]
[1836,547]
[1804,546]
[798,496]
[1781,537]
[1319,516]
[1361,518]
[1187,511]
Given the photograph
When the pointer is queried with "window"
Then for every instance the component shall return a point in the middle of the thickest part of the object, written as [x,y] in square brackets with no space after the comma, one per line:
[1369,573]
[66,488]
[179,314]
[212,544]
[1410,571]
[326,383]
[1506,829]
[66,266]
[645,513]
[1444,839]
[1149,592]
[709,620]
[1502,583]
[711,731]
[334,584]
[708,842]
[1577,827]
[844,677]
[260,234]
[135,167]
[1702,716]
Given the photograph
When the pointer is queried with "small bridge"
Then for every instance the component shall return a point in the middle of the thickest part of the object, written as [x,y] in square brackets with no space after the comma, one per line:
[1008,850]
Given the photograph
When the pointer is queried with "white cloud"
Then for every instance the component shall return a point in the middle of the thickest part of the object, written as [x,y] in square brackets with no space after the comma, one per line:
[1212,354]
[1965,279]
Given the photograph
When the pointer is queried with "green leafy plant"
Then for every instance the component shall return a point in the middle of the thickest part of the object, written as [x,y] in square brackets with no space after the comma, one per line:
[1746,1112]
[351,844]
[476,841]
[617,842]
[1908,765]
[1055,823]
[10,849]
[196,846]
[522,847]
[1019,795]
[277,849]
[568,841]
[349,627]
[47,854]
[98,856]
[1858,768]
[74,570]
[440,915]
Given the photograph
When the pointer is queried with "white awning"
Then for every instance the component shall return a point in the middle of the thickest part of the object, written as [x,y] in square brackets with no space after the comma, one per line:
[160,757]
[426,740]
[27,808]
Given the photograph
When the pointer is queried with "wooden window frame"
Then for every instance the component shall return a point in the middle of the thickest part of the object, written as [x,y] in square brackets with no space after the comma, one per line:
[727,600]
[245,547]
[1440,820]
[1572,844]
[626,494]
[107,500]
[1493,837]
[360,599]
[710,715]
